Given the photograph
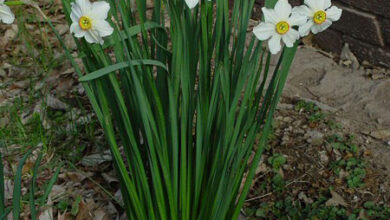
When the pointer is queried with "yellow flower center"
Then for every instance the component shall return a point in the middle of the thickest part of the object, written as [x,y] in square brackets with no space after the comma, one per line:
[319,17]
[85,23]
[282,27]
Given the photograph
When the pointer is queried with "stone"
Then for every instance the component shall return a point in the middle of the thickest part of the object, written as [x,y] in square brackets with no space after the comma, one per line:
[324,157]
[347,56]
[284,106]
[380,134]
[287,119]
[316,138]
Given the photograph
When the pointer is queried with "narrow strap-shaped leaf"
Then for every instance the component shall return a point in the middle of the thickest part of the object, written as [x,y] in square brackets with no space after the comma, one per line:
[109,69]
[287,58]
[17,187]
[32,187]
[2,205]
[5,214]
[49,186]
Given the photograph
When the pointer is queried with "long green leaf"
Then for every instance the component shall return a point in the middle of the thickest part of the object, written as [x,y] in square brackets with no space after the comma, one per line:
[2,189]
[109,69]
[33,187]
[16,197]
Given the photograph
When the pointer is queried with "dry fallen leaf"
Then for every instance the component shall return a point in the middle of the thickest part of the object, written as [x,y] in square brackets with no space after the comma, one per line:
[27,166]
[109,178]
[85,210]
[64,85]
[8,189]
[336,200]
[61,216]
[47,214]
[57,190]
[75,176]
[95,159]
[55,103]
[100,214]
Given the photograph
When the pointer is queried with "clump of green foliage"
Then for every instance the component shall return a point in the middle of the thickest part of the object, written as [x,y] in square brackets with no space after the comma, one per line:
[316,115]
[353,165]
[276,161]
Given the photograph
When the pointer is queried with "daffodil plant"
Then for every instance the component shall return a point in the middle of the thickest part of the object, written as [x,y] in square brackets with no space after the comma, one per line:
[185,95]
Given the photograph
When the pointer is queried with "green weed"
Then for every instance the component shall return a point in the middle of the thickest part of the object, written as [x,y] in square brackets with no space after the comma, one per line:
[315,113]
[354,165]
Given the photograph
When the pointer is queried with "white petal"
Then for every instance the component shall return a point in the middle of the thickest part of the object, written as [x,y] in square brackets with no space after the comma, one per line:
[270,16]
[99,10]
[283,9]
[303,10]
[92,36]
[1,1]
[315,5]
[264,31]
[274,44]
[6,14]
[297,19]
[334,13]
[103,28]
[327,4]
[76,12]
[192,3]
[317,28]
[76,30]
[304,29]
[84,5]
[290,37]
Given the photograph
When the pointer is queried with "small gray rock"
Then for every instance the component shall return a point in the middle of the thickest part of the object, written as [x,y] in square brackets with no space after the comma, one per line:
[316,138]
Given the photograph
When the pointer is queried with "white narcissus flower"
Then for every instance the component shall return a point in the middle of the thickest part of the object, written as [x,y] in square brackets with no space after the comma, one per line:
[6,15]
[320,15]
[192,3]
[278,25]
[89,20]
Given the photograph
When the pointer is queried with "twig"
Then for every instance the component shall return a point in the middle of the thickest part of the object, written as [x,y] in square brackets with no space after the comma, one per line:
[258,197]
[296,181]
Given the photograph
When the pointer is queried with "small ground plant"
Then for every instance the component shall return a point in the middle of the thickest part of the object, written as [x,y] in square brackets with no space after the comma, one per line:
[353,164]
